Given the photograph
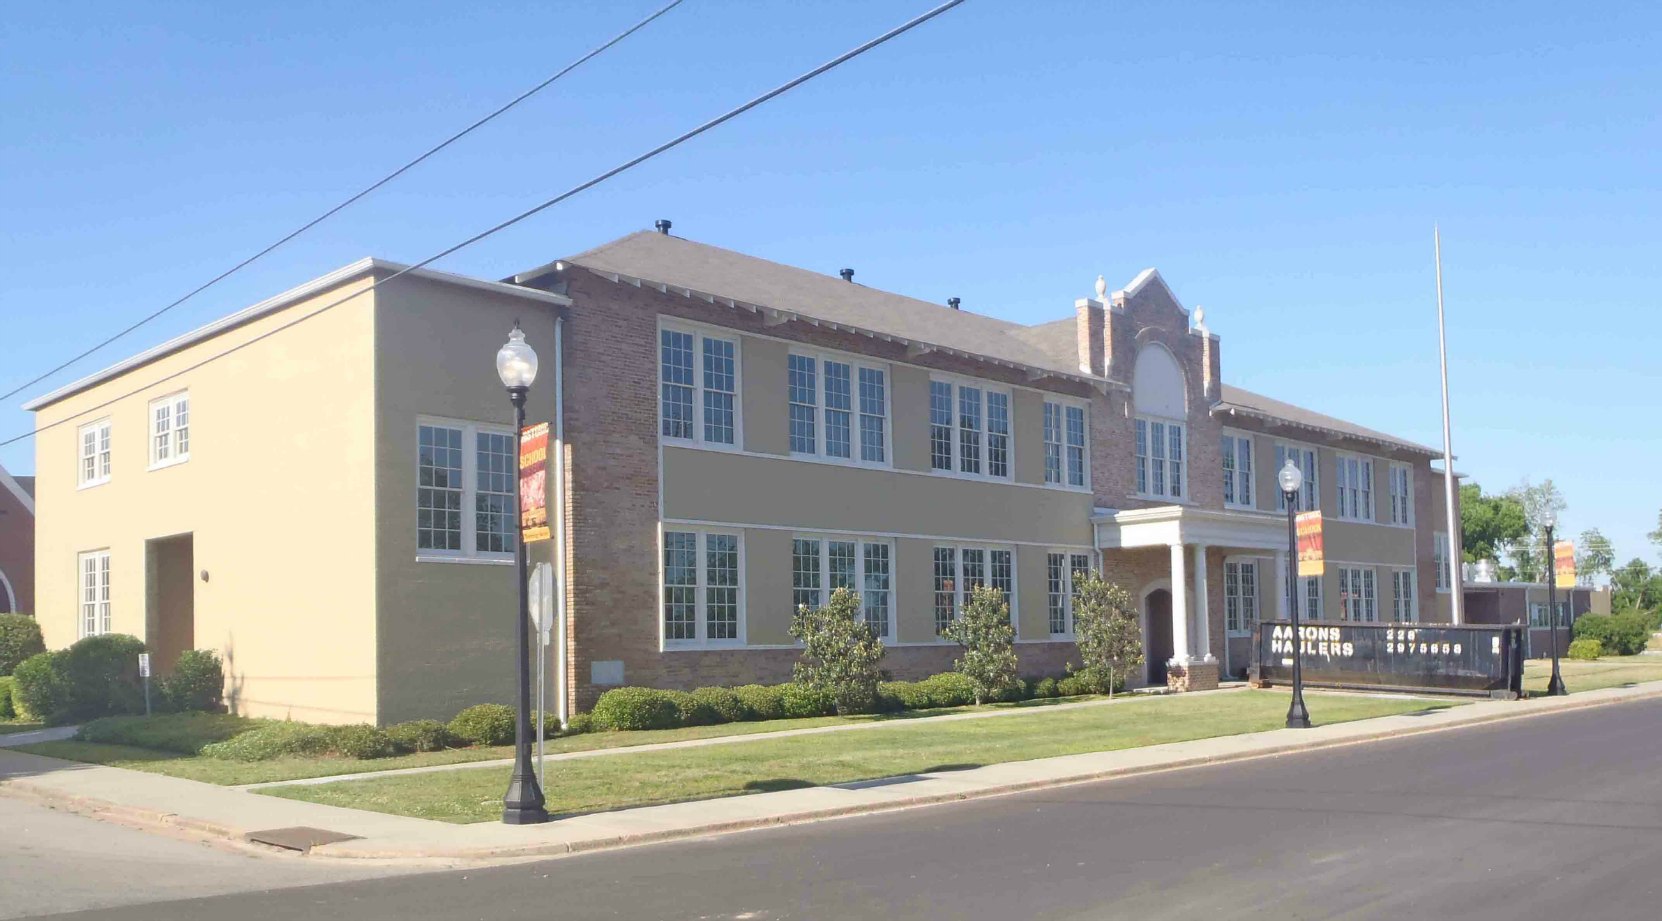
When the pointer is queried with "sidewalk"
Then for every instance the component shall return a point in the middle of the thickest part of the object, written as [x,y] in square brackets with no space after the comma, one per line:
[156,800]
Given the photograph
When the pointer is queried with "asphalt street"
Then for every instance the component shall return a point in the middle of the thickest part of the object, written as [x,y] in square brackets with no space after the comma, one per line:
[1551,817]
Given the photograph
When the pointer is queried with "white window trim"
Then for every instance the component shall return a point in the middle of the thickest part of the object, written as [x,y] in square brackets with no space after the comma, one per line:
[986,387]
[855,363]
[1304,597]
[1252,475]
[1539,620]
[1345,601]
[962,592]
[175,456]
[102,477]
[700,332]
[104,615]
[1412,602]
[1068,588]
[470,489]
[1258,568]
[859,571]
[1440,539]
[1341,484]
[701,624]
[1314,473]
[1064,402]
[1390,472]
[1188,451]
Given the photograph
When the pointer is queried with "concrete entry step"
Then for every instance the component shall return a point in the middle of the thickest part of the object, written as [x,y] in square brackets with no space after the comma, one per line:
[298,838]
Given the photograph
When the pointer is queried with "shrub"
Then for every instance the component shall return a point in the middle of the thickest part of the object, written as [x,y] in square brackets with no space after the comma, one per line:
[762,701]
[1623,634]
[103,676]
[197,682]
[361,741]
[948,689]
[727,705]
[800,701]
[273,740]
[1585,648]
[1045,688]
[485,724]
[421,736]
[1108,632]
[840,653]
[580,723]
[7,711]
[19,639]
[184,733]
[1074,686]
[903,695]
[40,688]
[636,708]
[987,641]
[691,710]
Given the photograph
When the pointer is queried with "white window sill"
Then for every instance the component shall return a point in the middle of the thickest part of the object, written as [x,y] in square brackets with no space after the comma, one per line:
[973,477]
[170,462]
[93,483]
[471,560]
[840,461]
[701,444]
[717,645]
[1166,499]
[1240,506]
[1066,487]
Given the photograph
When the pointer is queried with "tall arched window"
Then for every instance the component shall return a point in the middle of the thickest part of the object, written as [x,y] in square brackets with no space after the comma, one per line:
[1162,408]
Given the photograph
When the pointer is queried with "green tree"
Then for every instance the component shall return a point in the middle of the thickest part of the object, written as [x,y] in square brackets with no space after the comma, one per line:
[983,633]
[1106,629]
[1530,555]
[1595,556]
[1489,525]
[1635,586]
[840,653]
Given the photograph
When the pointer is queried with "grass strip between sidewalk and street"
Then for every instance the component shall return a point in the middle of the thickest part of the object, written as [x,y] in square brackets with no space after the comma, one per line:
[1580,675]
[651,778]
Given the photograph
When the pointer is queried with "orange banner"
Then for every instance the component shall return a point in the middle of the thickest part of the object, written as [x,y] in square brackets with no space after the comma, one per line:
[533,483]
[1308,526]
[1563,563]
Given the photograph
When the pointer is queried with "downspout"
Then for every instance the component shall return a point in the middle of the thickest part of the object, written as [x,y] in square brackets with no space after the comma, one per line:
[561,679]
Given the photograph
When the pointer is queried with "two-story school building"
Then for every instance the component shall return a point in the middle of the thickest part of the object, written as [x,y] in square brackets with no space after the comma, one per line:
[320,486]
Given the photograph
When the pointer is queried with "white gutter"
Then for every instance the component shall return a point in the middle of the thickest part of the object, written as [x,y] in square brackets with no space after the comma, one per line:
[562,704]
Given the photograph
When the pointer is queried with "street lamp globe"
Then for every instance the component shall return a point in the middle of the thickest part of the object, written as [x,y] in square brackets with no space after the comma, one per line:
[1550,518]
[516,362]
[1290,478]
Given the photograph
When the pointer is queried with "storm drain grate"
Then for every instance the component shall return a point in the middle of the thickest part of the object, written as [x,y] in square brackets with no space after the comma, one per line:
[299,838]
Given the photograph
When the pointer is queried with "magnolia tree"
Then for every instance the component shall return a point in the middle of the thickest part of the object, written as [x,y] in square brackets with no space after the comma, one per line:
[840,653]
[1106,629]
[988,642]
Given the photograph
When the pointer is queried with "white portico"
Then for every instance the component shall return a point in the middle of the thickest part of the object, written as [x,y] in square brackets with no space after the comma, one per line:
[1188,532]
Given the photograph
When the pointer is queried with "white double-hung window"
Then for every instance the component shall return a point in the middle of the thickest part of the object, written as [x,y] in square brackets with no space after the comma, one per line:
[1161,469]
[1065,438]
[698,377]
[839,409]
[1312,597]
[1237,470]
[1355,482]
[1404,603]
[703,588]
[1402,494]
[1305,460]
[94,441]
[170,430]
[969,428]
[1440,559]
[1240,596]
[958,570]
[865,566]
[465,491]
[95,592]
[1063,570]
[1359,594]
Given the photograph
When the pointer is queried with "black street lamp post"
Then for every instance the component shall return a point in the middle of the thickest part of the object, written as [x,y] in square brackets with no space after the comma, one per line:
[1555,686]
[516,364]
[1291,480]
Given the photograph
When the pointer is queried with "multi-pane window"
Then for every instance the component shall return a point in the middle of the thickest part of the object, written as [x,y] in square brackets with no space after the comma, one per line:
[465,466]
[1358,594]
[1240,596]
[1402,494]
[958,570]
[170,430]
[863,566]
[1160,464]
[1538,614]
[95,453]
[822,411]
[1305,460]
[1404,604]
[1053,442]
[95,592]
[969,429]
[703,597]
[1062,573]
[1312,597]
[698,380]
[1355,486]
[1237,470]
[1440,559]
[1064,433]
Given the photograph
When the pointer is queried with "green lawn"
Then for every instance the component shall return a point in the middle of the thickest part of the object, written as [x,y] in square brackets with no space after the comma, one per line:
[1608,672]
[7,728]
[212,770]
[647,778]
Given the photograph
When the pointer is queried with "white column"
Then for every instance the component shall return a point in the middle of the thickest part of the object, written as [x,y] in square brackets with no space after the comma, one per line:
[1203,614]
[1179,607]
[1281,584]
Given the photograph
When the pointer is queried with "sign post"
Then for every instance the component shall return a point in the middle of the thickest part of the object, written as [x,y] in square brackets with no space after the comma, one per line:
[144,672]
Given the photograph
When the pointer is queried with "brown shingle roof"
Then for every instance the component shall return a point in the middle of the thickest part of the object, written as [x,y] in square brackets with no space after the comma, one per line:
[1253,404]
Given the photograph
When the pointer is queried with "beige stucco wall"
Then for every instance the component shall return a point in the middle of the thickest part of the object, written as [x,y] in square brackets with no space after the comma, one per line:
[277,496]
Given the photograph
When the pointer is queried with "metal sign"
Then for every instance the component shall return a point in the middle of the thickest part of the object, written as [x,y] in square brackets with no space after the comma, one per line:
[1311,561]
[533,482]
[1465,659]
[144,665]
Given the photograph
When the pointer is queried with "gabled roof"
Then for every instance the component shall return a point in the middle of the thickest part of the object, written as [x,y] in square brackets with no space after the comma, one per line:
[24,497]
[1245,402]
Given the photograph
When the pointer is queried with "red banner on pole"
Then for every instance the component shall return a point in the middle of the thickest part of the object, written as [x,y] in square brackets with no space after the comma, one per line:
[1563,563]
[533,483]
[1308,526]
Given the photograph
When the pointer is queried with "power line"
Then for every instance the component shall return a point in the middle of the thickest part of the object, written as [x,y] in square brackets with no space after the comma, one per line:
[537,209]
[365,191]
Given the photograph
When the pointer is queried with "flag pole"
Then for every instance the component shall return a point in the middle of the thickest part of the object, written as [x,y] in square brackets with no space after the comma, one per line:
[1456,577]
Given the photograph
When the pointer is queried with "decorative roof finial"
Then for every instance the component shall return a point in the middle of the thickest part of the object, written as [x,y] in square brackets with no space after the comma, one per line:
[1101,287]
[1200,318]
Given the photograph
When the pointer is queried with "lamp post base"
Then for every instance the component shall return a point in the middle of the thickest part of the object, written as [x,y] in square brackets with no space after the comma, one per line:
[523,804]
[1297,716]
[529,815]
[1555,687]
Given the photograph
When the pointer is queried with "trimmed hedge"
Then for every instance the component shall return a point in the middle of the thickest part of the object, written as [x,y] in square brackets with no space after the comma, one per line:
[273,740]
[763,701]
[7,711]
[19,639]
[725,703]
[1624,634]
[183,733]
[1585,648]
[40,689]
[421,736]
[636,708]
[580,723]
[197,682]
[485,724]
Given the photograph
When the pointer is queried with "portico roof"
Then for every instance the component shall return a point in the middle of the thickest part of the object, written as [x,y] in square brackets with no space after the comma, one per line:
[1168,525]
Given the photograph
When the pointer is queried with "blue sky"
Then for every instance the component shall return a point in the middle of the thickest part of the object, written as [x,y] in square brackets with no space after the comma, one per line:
[1282,165]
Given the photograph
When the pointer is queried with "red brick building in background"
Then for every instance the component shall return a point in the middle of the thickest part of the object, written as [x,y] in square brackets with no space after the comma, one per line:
[17,543]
